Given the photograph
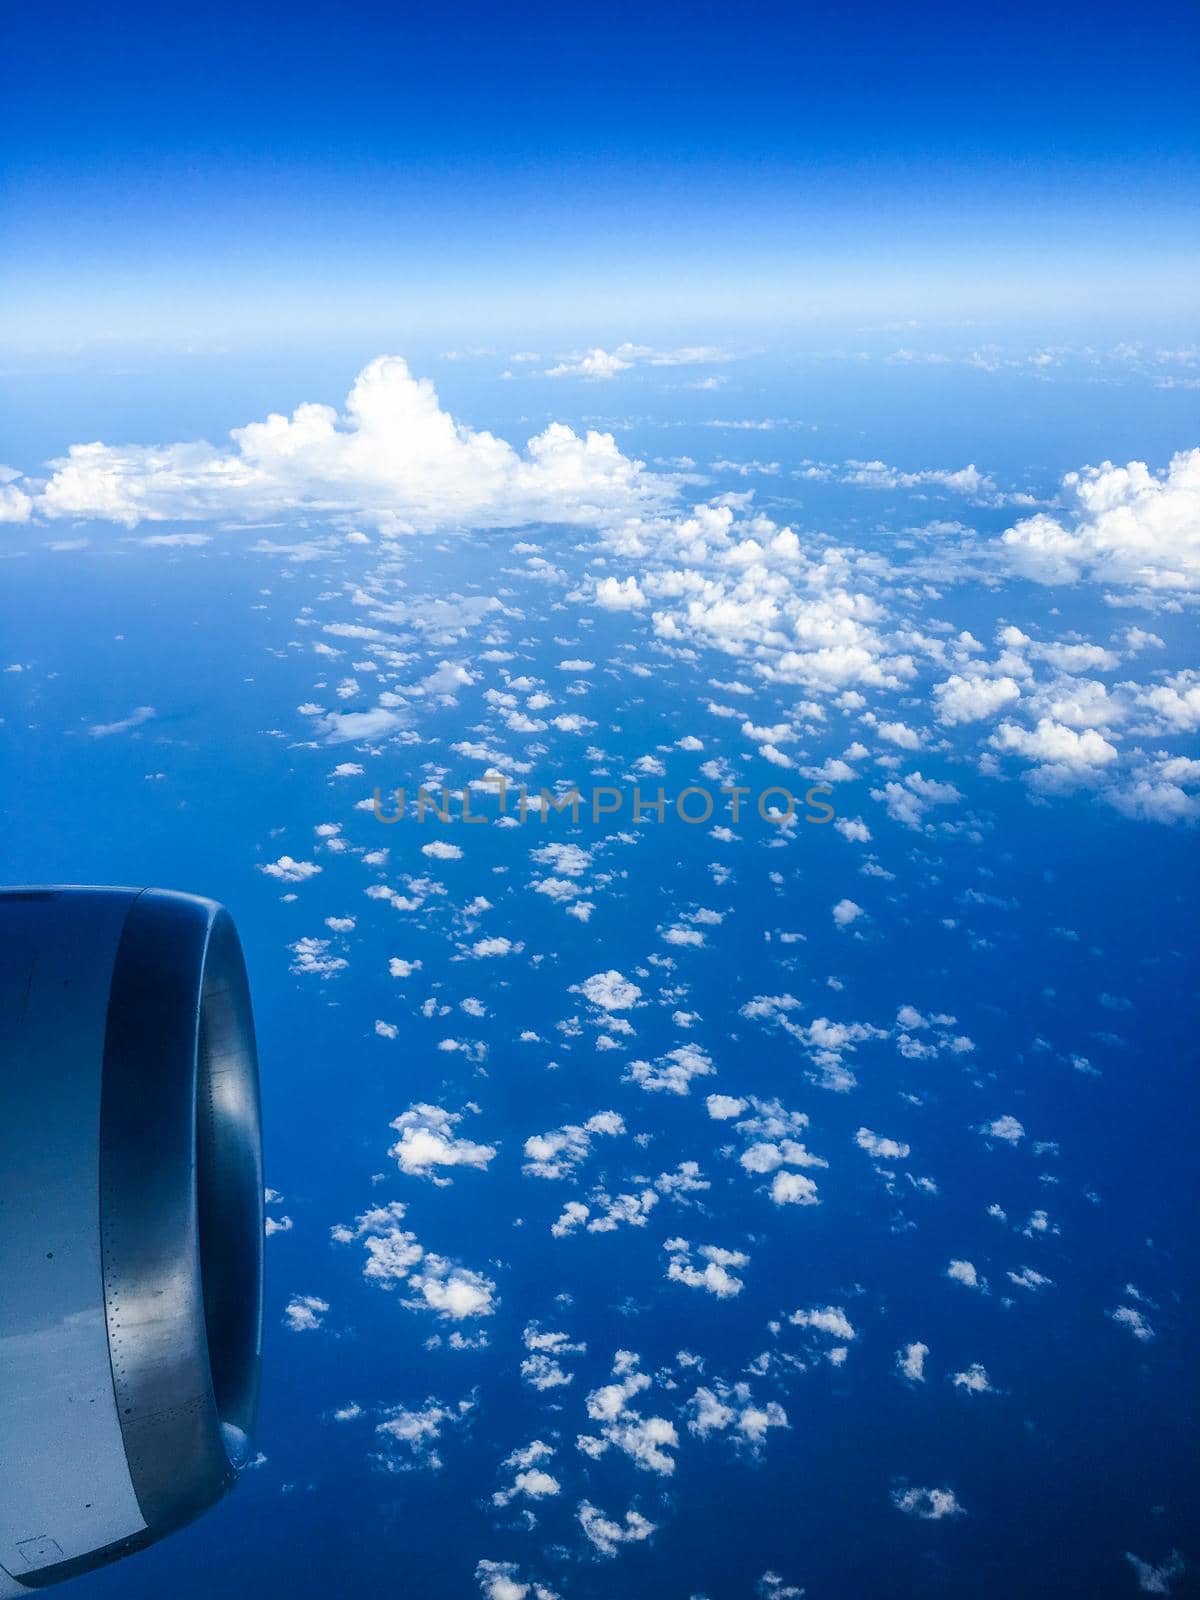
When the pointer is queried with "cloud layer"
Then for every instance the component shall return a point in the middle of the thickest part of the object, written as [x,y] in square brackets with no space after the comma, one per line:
[395,459]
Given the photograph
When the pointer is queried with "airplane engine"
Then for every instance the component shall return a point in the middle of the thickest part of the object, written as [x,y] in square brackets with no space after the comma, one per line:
[131,1223]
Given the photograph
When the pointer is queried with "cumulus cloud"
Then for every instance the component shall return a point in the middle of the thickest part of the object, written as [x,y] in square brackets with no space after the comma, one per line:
[974,1380]
[289,871]
[614,594]
[715,1276]
[1127,526]
[558,1153]
[964,1272]
[304,1313]
[394,1255]
[1063,758]
[500,1580]
[908,802]
[598,363]
[972,698]
[542,1368]
[882,1149]
[530,1480]
[825,1319]
[726,1408]
[15,504]
[930,1505]
[1130,1317]
[428,1142]
[1006,1128]
[966,480]
[394,457]
[910,1362]
[645,1440]
[605,1212]
[311,956]
[1157,1579]
[609,991]
[672,1072]
[408,1436]
[608,1535]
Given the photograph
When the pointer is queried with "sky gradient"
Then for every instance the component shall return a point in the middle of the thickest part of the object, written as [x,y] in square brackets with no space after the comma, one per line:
[274,176]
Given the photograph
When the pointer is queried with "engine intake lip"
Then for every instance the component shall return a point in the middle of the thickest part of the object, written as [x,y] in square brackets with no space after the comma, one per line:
[181,1204]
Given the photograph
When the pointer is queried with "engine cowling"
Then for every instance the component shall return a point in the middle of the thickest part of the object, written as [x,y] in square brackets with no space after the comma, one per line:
[131,1223]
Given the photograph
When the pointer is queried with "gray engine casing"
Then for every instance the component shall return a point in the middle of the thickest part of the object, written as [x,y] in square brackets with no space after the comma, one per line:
[131,1200]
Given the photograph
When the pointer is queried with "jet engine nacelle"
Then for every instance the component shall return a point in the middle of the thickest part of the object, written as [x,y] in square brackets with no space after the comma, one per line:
[131,1199]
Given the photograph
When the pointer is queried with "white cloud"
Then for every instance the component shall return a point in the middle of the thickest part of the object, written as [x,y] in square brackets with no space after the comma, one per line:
[135,719]
[428,1142]
[725,1407]
[964,1272]
[542,1368]
[609,1212]
[395,1255]
[595,363]
[394,458]
[304,1313]
[441,850]
[1128,526]
[846,912]
[825,1319]
[1157,1580]
[910,1362]
[1130,1317]
[311,956]
[609,991]
[974,1380]
[715,1276]
[530,1481]
[598,363]
[973,698]
[1063,757]
[452,1291]
[499,1580]
[1006,1128]
[878,475]
[645,1440]
[931,1505]
[408,1437]
[1029,1279]
[854,829]
[619,594]
[723,1107]
[899,733]
[607,1535]
[794,1189]
[497,945]
[289,871]
[558,1153]
[15,504]
[908,802]
[881,1149]
[672,1072]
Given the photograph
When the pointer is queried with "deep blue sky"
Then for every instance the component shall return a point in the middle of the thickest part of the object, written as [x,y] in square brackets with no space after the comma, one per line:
[279,171]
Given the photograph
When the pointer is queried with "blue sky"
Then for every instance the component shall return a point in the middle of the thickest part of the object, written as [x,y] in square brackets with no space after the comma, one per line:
[650,396]
[267,175]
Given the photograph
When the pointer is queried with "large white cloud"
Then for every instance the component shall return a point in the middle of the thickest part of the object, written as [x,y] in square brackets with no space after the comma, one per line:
[1129,526]
[395,458]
